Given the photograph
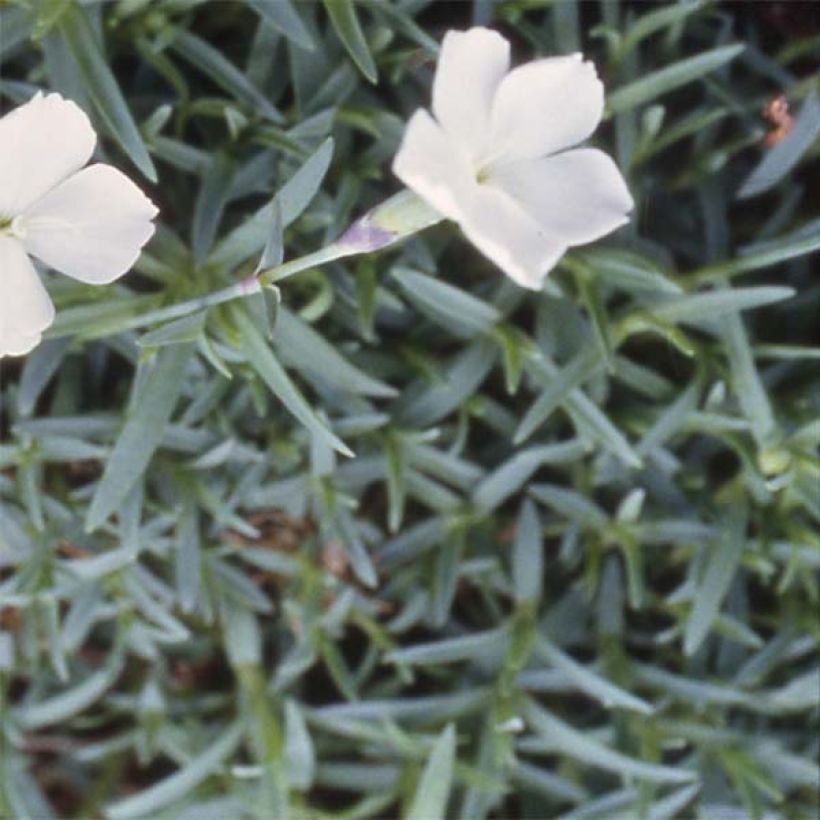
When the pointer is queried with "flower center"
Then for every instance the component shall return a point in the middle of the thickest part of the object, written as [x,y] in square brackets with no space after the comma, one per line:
[12,226]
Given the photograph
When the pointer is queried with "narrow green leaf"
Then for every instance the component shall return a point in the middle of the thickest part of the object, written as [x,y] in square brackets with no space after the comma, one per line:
[224,73]
[164,792]
[433,401]
[699,120]
[242,636]
[571,504]
[433,791]
[782,157]
[40,367]
[357,552]
[299,345]
[746,382]
[294,196]
[670,421]
[562,738]
[16,24]
[582,366]
[798,694]
[477,645]
[763,255]
[342,14]
[512,475]
[659,82]
[720,571]
[179,331]
[188,559]
[716,304]
[299,750]
[593,424]
[449,306]
[274,251]
[674,804]
[691,691]
[395,465]
[282,15]
[629,510]
[607,693]
[428,708]
[566,26]
[413,542]
[102,87]
[552,786]
[446,572]
[71,701]
[159,389]
[20,792]
[657,20]
[261,357]
[214,192]
[528,556]
[589,291]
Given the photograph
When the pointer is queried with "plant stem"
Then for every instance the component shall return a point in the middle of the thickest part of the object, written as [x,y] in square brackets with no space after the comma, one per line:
[245,287]
[310,260]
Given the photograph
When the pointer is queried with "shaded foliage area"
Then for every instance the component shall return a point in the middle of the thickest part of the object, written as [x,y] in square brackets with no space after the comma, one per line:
[416,542]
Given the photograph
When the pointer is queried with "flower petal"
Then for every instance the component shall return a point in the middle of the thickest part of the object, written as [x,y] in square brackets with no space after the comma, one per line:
[41,143]
[92,226]
[578,196]
[545,106]
[25,307]
[510,237]
[471,65]
[430,164]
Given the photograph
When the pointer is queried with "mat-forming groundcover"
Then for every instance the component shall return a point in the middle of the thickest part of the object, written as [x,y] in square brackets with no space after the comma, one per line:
[409,409]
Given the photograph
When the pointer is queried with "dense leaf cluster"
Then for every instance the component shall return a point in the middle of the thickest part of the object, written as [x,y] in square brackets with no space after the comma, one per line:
[415,542]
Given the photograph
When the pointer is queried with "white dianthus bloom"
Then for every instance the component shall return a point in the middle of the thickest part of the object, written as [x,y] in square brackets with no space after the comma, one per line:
[495,157]
[89,223]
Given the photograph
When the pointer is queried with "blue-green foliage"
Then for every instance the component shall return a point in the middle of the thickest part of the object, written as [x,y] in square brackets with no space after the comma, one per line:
[416,543]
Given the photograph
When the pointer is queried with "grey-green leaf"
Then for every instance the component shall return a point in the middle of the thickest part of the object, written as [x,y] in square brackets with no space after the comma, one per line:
[342,14]
[782,157]
[717,303]
[667,79]
[282,15]
[528,555]
[261,357]
[211,62]
[509,477]
[561,737]
[178,331]
[449,306]
[177,785]
[103,88]
[69,701]
[433,790]
[720,570]
[298,344]
[596,686]
[144,428]
[294,196]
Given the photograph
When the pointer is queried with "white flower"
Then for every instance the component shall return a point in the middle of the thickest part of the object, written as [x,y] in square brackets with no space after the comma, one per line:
[495,159]
[89,223]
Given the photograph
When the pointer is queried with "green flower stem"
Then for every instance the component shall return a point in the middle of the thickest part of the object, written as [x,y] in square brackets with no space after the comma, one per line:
[395,219]
[265,735]
[310,260]
[245,287]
